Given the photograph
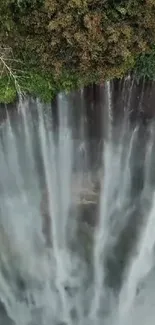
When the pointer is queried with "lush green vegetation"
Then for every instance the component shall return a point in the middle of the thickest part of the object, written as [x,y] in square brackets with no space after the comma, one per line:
[50,45]
[145,65]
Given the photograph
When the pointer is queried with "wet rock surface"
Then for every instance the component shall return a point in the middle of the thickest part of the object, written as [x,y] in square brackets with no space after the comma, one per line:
[84,205]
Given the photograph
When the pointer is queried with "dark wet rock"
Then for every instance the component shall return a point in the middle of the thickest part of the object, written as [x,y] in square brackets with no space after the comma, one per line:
[4,318]
[85,204]
[89,214]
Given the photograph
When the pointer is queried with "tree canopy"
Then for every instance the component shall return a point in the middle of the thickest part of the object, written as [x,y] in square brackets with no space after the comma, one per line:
[58,44]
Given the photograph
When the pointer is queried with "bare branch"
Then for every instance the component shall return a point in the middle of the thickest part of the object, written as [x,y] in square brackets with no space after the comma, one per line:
[5,59]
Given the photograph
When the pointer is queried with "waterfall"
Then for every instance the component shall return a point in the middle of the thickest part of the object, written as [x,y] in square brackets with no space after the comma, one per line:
[77,241]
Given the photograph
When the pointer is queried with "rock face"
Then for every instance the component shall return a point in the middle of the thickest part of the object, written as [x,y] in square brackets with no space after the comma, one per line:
[85,203]
[4,318]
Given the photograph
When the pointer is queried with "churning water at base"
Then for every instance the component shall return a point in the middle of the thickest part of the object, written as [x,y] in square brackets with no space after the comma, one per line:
[76,242]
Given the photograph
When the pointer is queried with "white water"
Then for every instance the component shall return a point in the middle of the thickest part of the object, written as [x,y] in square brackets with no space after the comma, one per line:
[61,282]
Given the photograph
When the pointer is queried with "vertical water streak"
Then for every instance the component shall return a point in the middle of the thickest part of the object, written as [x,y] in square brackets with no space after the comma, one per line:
[13,193]
[65,159]
[140,267]
[12,151]
[108,88]
[148,159]
[102,232]
[83,149]
[102,235]
[140,107]
[49,158]
[126,97]
[123,136]
[125,177]
[28,128]
[129,84]
[140,264]
[82,146]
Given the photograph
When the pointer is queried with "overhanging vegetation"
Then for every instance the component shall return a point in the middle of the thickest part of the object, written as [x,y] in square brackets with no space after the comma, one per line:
[52,45]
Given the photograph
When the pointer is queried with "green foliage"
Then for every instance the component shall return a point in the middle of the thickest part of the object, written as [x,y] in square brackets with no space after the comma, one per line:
[38,85]
[77,42]
[7,91]
[145,65]
[34,84]
[24,5]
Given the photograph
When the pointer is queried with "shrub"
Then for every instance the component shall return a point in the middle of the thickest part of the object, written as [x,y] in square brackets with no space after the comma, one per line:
[145,65]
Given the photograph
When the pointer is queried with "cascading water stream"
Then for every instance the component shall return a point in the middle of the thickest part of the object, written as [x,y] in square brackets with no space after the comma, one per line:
[77,245]
[54,211]
[139,269]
